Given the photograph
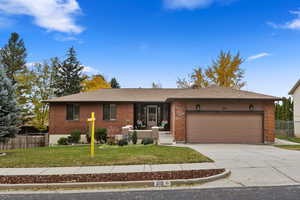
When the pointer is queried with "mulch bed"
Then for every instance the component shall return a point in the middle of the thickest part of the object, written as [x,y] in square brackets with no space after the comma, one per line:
[138,176]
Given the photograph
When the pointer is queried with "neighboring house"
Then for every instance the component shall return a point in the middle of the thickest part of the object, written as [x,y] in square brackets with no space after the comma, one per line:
[295,92]
[207,115]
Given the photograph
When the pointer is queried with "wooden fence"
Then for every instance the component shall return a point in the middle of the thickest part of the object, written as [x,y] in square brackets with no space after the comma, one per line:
[25,142]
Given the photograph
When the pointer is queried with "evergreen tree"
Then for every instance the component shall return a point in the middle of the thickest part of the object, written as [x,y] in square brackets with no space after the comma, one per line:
[114,83]
[12,56]
[69,75]
[9,112]
[13,59]
[284,110]
[156,85]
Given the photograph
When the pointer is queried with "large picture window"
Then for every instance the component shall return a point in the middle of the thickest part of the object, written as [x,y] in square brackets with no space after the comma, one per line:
[72,111]
[109,111]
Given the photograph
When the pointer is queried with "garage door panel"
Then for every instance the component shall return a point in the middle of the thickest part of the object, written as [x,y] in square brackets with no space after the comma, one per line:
[224,128]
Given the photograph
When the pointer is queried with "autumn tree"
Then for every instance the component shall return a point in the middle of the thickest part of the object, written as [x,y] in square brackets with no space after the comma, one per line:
[43,80]
[114,83]
[197,79]
[225,71]
[69,75]
[94,83]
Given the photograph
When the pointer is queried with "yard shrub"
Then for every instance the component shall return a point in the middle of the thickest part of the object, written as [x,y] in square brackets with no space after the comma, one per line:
[111,141]
[147,140]
[134,137]
[63,141]
[123,142]
[74,137]
[101,135]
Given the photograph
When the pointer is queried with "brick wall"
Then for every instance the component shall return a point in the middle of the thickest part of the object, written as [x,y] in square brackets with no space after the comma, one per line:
[178,120]
[59,125]
[269,122]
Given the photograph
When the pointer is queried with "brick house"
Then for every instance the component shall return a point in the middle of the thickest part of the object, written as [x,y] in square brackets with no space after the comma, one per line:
[206,115]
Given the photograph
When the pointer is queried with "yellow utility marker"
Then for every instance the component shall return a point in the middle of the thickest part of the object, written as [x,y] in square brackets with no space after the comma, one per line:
[92,120]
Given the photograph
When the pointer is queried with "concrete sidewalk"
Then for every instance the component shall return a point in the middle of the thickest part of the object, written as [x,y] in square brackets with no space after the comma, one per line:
[106,169]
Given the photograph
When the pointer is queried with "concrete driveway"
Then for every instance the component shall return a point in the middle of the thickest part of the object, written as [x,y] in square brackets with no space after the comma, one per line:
[253,165]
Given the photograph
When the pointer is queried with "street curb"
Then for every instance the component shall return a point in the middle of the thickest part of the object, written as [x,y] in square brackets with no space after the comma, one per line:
[152,183]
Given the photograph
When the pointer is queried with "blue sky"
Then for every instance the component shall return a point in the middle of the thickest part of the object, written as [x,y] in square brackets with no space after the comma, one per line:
[141,41]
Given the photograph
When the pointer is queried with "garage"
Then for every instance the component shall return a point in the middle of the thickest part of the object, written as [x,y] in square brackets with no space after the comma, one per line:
[224,127]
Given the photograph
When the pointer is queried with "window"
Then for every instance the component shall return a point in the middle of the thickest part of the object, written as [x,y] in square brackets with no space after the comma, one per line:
[109,111]
[72,111]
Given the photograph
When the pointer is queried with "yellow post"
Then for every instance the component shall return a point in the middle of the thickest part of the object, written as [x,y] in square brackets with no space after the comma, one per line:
[92,120]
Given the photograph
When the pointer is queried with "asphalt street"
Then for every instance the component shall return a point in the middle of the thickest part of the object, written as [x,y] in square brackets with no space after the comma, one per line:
[244,193]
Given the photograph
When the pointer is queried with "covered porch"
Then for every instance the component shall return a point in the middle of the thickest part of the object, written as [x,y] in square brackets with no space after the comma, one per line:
[148,115]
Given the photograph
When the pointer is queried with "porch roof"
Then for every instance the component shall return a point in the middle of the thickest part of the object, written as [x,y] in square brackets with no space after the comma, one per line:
[161,95]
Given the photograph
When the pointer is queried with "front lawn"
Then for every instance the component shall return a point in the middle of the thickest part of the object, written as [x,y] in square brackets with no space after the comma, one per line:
[291,139]
[289,147]
[66,156]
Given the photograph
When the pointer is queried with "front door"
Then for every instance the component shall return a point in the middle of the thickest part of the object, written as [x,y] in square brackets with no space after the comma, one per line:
[151,115]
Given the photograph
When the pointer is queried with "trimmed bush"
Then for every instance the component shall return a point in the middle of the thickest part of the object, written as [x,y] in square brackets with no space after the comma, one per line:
[111,141]
[147,140]
[134,137]
[123,142]
[75,137]
[101,135]
[63,141]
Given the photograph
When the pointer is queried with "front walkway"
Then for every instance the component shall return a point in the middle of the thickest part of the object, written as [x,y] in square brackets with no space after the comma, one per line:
[252,165]
[106,169]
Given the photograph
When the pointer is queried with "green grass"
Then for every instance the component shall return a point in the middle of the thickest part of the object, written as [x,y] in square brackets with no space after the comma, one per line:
[66,156]
[289,147]
[291,139]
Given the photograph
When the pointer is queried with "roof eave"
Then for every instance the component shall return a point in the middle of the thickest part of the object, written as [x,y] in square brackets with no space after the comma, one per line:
[292,91]
[252,99]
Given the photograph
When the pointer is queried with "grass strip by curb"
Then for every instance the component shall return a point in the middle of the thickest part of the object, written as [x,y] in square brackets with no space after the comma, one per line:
[115,185]
[109,177]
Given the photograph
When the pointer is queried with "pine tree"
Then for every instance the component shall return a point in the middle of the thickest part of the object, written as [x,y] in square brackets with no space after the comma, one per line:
[9,111]
[114,83]
[68,76]
[12,57]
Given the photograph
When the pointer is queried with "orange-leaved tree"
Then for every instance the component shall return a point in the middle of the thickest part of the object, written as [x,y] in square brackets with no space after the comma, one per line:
[94,82]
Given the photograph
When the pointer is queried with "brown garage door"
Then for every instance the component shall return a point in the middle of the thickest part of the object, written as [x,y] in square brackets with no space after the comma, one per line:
[225,128]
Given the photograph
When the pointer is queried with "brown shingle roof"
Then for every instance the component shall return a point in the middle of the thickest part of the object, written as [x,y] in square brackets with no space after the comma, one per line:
[160,95]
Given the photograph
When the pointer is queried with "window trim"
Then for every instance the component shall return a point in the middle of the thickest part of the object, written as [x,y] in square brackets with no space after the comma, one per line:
[73,104]
[110,113]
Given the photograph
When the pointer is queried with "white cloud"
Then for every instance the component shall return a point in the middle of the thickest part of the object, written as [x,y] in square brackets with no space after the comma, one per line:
[192,4]
[90,70]
[261,55]
[187,4]
[293,24]
[67,38]
[53,15]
